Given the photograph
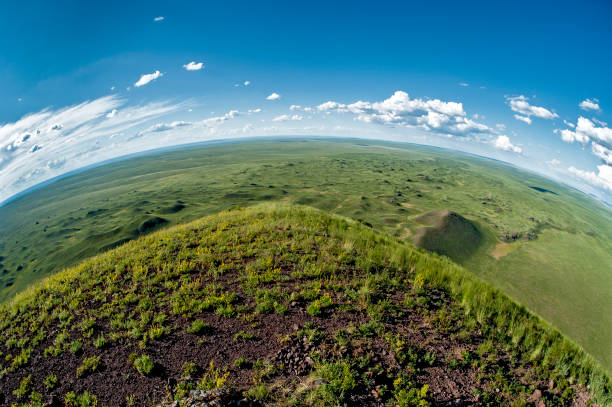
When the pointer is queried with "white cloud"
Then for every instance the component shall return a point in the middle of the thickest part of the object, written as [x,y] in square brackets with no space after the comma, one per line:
[554,162]
[273,96]
[247,83]
[585,130]
[602,152]
[590,104]
[503,143]
[568,124]
[520,104]
[500,126]
[301,108]
[194,66]
[51,142]
[146,78]
[601,179]
[434,115]
[522,118]
[169,126]
[258,110]
[286,117]
[160,18]
[464,84]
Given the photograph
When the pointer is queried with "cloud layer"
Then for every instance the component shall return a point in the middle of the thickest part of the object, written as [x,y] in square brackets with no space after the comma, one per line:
[433,115]
[48,143]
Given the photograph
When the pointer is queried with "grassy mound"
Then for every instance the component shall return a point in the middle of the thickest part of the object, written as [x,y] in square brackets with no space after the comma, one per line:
[448,234]
[290,306]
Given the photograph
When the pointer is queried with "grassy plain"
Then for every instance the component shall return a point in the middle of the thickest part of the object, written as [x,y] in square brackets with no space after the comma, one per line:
[557,245]
[289,306]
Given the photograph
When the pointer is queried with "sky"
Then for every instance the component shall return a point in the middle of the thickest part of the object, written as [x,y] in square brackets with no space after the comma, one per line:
[524,82]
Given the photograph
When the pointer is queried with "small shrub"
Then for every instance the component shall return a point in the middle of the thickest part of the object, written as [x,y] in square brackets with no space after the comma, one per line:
[188,369]
[213,378]
[143,364]
[51,381]
[100,341]
[199,327]
[75,346]
[90,364]
[259,392]
[241,363]
[243,335]
[25,386]
[83,400]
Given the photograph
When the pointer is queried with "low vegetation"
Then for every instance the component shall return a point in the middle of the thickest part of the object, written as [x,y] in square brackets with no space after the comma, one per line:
[517,231]
[287,306]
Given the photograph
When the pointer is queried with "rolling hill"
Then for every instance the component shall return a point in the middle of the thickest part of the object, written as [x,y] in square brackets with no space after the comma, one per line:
[282,305]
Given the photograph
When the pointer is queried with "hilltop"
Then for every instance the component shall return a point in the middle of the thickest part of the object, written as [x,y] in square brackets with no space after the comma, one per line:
[520,239]
[283,305]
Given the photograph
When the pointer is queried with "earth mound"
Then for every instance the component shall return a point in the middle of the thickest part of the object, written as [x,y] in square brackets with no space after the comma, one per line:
[449,234]
[279,305]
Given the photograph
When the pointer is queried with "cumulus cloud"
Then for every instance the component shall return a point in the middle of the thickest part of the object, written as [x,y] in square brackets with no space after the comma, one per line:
[554,162]
[503,143]
[520,104]
[146,78]
[590,104]
[602,178]
[522,118]
[286,117]
[434,115]
[602,152]
[194,66]
[273,96]
[48,143]
[585,130]
[160,18]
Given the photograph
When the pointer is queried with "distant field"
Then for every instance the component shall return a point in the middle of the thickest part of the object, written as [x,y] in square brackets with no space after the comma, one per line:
[544,244]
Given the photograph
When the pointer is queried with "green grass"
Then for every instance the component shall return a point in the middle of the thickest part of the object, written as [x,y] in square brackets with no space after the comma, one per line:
[339,264]
[563,274]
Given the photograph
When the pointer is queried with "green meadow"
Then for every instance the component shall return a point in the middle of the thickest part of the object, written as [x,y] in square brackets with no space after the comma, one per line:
[547,246]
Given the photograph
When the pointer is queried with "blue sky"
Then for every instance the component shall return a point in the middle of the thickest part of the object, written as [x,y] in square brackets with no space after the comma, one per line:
[525,82]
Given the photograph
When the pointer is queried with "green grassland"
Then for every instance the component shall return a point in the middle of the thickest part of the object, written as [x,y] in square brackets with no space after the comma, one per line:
[289,306]
[548,247]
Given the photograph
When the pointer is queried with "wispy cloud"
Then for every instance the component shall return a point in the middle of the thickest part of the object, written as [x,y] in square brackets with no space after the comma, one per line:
[146,78]
[590,104]
[194,66]
[522,118]
[160,18]
[286,117]
[53,141]
[520,104]
[273,96]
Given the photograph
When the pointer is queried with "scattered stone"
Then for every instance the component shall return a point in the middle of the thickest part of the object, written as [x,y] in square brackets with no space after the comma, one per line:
[222,397]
